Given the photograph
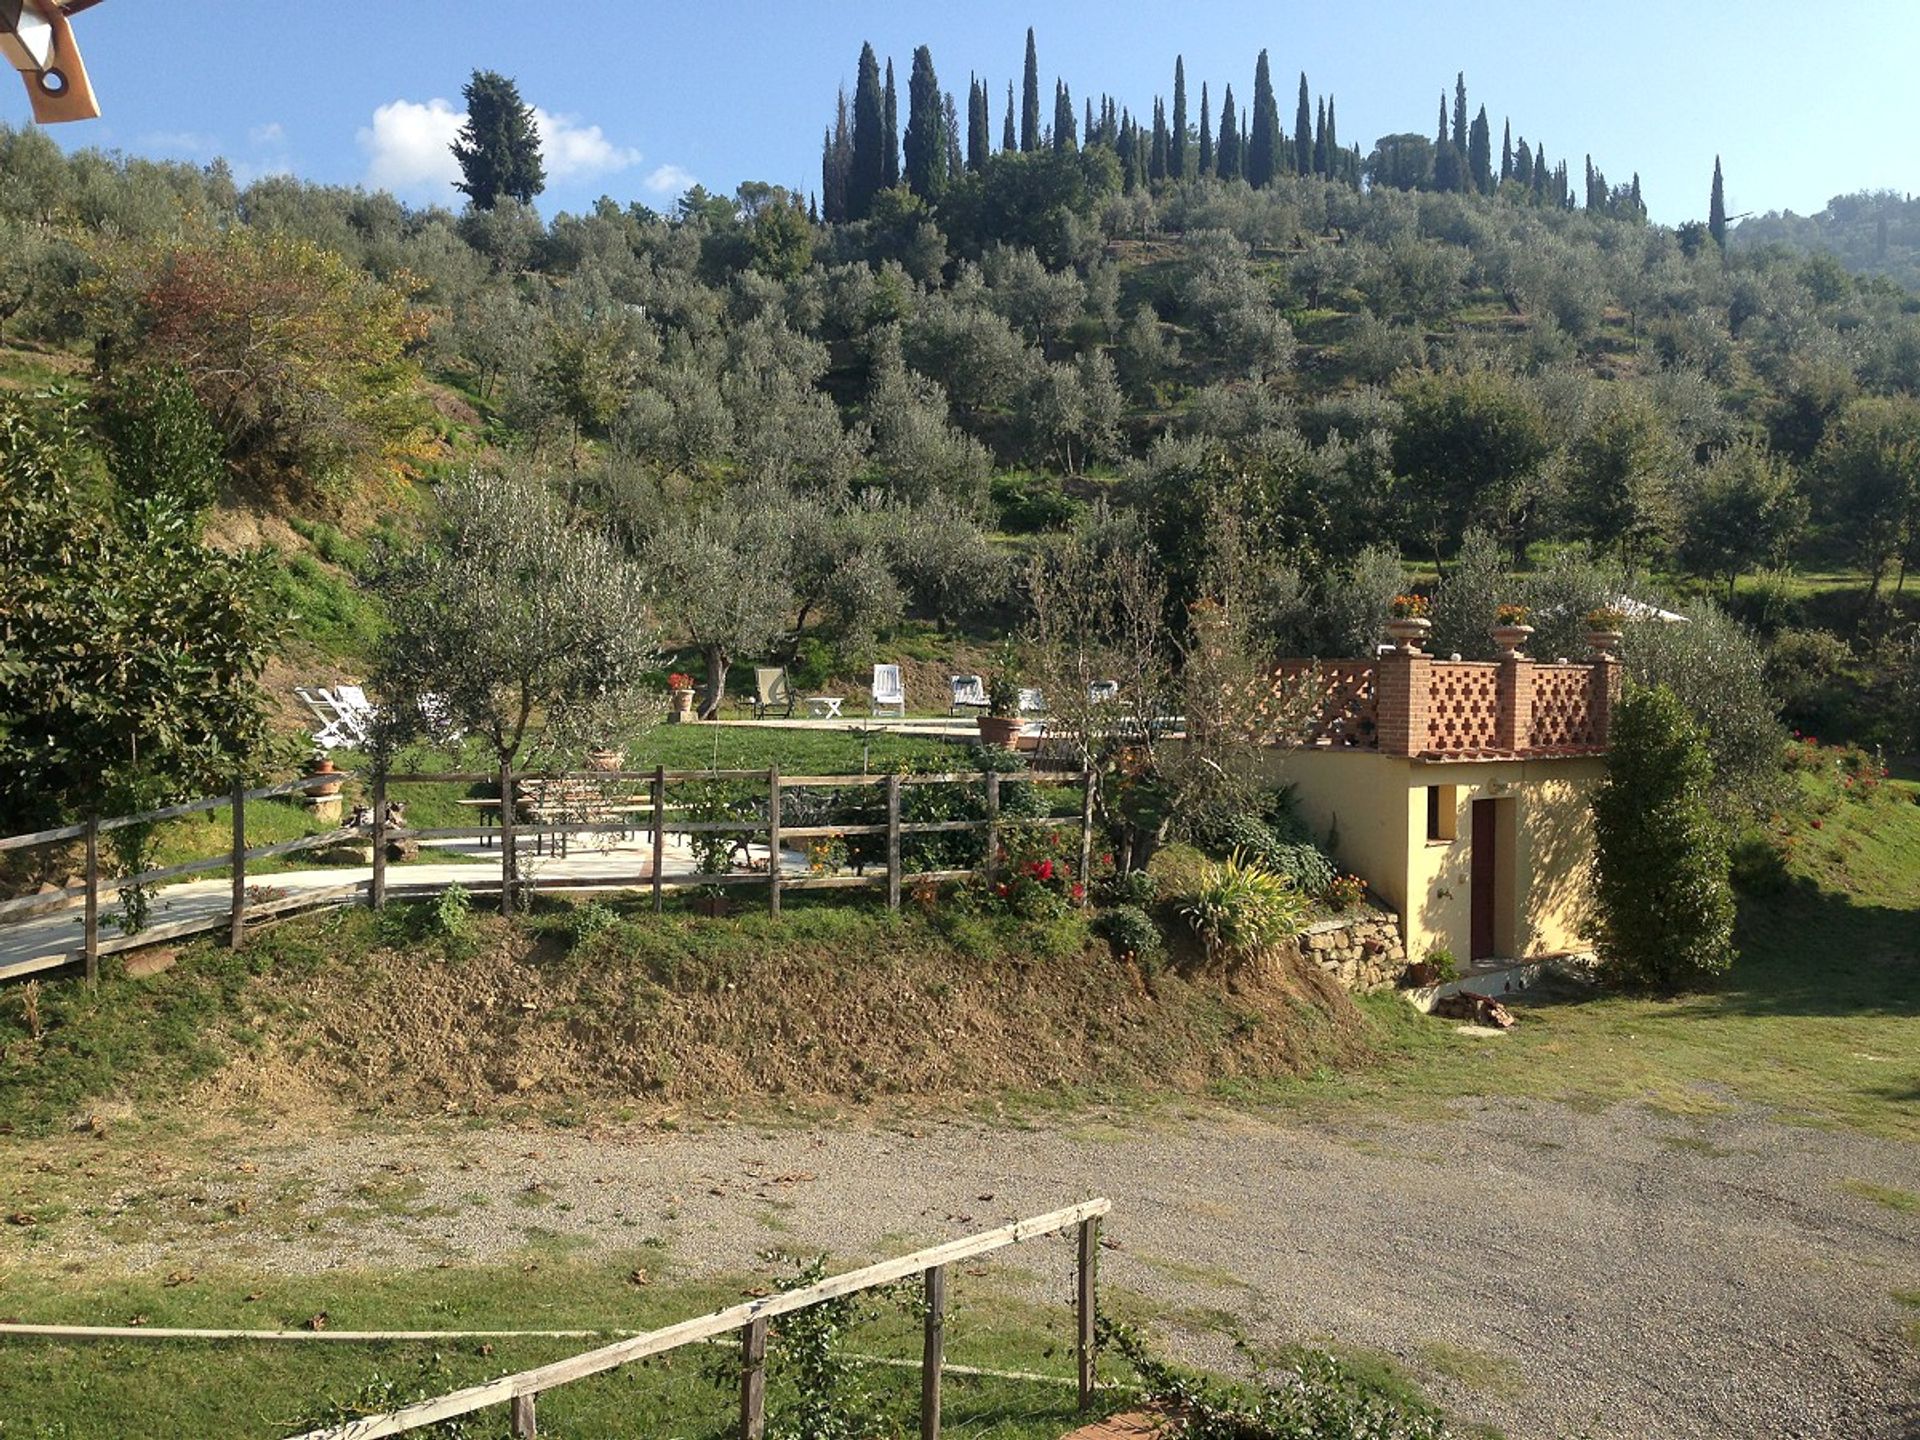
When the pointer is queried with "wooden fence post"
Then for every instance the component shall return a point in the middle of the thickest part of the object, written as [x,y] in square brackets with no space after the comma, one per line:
[893,842]
[1088,1267]
[237,921]
[932,1352]
[773,840]
[659,798]
[377,887]
[509,866]
[1086,837]
[991,861]
[93,900]
[526,1419]
[753,1381]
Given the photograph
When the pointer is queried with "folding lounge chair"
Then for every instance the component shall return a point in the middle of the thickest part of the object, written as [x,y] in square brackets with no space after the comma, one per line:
[1101,691]
[772,694]
[333,731]
[1032,702]
[356,710]
[888,691]
[968,691]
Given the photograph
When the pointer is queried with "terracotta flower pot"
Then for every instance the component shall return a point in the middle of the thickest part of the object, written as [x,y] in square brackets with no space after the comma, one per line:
[322,788]
[1605,644]
[1508,639]
[681,706]
[999,731]
[1407,632]
[604,759]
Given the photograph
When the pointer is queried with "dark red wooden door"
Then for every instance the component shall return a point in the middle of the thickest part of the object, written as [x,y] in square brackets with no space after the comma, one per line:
[1480,897]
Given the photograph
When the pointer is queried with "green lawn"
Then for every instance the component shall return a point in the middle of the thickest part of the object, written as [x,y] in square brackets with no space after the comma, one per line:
[62,1388]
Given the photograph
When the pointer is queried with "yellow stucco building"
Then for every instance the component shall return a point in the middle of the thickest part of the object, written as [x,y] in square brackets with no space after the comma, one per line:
[1458,791]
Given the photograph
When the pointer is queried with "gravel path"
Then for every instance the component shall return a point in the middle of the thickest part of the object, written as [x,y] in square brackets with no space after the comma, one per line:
[1619,1274]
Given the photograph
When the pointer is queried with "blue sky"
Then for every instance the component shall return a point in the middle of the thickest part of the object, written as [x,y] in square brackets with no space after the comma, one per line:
[638,100]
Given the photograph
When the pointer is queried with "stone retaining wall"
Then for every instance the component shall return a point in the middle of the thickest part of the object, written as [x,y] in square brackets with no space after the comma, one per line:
[1362,950]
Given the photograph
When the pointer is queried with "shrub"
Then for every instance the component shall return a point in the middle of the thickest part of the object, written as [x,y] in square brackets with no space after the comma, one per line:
[1665,908]
[1131,934]
[1311,872]
[1344,892]
[596,917]
[1445,966]
[1130,887]
[1240,907]
[1299,860]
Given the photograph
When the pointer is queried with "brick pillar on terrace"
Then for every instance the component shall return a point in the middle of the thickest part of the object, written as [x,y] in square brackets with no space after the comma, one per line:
[1603,691]
[1513,722]
[1403,687]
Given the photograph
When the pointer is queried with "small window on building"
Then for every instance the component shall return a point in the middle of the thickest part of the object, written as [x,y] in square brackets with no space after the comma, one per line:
[1443,805]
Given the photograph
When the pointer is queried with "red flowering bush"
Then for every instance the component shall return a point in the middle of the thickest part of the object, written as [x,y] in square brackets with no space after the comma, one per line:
[1035,873]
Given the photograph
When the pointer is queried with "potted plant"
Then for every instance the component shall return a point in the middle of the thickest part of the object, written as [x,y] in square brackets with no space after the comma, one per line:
[1511,629]
[1606,627]
[1000,726]
[1436,967]
[1409,623]
[680,692]
[322,764]
[605,758]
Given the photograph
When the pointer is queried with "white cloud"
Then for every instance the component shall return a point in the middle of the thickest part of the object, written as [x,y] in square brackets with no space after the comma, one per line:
[272,134]
[409,148]
[181,142]
[577,152]
[669,180]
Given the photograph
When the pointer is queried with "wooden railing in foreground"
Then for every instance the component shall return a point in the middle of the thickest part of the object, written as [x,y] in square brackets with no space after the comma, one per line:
[521,1391]
[513,886]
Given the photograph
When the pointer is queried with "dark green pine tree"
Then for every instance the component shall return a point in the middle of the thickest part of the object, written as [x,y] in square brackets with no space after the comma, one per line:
[890,118]
[950,125]
[868,174]
[1480,153]
[836,164]
[1523,163]
[1263,140]
[926,141]
[979,126]
[1157,156]
[1227,157]
[1460,112]
[1063,123]
[1540,176]
[1123,148]
[1030,99]
[1177,154]
[1639,205]
[1206,134]
[1320,156]
[1446,159]
[1333,140]
[1717,208]
[1303,131]
[1506,151]
[499,145]
[1088,135]
[1007,138]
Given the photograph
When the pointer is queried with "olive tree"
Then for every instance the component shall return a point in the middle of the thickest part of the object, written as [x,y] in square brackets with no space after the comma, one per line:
[514,615]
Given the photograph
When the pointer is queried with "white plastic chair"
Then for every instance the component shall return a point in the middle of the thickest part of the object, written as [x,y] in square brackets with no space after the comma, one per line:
[889,692]
[334,731]
[968,690]
[1101,691]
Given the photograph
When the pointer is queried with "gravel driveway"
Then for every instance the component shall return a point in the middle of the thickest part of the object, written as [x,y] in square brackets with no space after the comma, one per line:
[1626,1273]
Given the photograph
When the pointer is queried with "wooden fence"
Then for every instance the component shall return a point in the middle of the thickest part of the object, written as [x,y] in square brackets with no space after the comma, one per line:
[521,1391]
[591,789]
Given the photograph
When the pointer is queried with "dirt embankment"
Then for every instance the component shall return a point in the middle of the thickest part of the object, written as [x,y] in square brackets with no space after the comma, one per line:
[890,1011]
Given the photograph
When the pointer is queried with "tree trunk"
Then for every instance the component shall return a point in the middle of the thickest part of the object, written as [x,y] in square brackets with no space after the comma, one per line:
[716,682]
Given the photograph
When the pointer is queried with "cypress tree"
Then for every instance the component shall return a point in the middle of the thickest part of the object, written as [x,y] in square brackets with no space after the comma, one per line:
[1228,158]
[926,145]
[1263,141]
[1446,159]
[1506,151]
[950,125]
[1063,123]
[836,164]
[1320,142]
[1523,163]
[1717,208]
[1460,112]
[1539,172]
[1157,157]
[1087,133]
[1303,132]
[499,145]
[1639,205]
[868,174]
[890,133]
[1177,156]
[1333,139]
[979,126]
[1007,140]
[1030,99]
[1206,134]
[1123,148]
[1480,153]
